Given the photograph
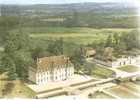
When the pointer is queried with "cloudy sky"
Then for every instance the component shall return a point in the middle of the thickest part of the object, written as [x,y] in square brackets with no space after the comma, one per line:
[58,1]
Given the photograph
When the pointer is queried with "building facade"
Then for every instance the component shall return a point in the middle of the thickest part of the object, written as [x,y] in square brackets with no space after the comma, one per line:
[51,69]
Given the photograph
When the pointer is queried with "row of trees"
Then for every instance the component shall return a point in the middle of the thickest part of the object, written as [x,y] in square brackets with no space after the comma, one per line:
[117,44]
[53,47]
[124,41]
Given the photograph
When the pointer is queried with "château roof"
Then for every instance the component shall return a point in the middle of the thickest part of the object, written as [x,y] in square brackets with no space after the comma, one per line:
[53,61]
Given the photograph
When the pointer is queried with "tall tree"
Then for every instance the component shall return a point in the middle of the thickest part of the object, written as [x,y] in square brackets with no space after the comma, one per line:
[131,39]
[77,59]
[8,65]
[109,41]
[56,47]
[116,38]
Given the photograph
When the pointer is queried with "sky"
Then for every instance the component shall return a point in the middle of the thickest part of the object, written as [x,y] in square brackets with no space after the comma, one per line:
[58,1]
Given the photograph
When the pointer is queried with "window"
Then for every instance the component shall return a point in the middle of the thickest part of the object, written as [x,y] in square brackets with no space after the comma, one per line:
[124,63]
[38,81]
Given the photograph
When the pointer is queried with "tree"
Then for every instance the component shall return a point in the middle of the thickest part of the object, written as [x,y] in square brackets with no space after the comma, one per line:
[8,22]
[77,59]
[109,41]
[60,45]
[9,66]
[116,38]
[16,54]
[131,40]
[56,47]
[22,60]
[37,52]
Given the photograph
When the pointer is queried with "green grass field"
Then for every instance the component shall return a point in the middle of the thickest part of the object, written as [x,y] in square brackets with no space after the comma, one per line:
[78,39]
[97,71]
[102,72]
[129,68]
[78,35]
[65,30]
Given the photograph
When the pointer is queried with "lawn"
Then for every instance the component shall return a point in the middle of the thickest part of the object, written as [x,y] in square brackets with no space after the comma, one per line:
[97,70]
[122,92]
[15,88]
[129,68]
[102,72]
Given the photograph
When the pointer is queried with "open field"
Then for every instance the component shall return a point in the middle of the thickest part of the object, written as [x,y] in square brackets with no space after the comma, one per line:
[21,90]
[16,88]
[78,35]
[98,70]
[70,30]
[75,38]
[102,72]
[129,68]
[122,92]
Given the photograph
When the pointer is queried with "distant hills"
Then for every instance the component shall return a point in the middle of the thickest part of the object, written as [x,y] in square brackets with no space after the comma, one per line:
[79,7]
[79,14]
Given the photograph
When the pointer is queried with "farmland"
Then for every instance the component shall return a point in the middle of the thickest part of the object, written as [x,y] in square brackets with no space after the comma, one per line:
[78,35]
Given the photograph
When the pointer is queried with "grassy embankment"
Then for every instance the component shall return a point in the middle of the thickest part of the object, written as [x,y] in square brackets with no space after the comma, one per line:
[15,88]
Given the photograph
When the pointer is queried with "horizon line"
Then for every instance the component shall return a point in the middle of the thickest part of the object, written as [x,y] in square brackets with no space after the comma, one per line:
[61,3]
